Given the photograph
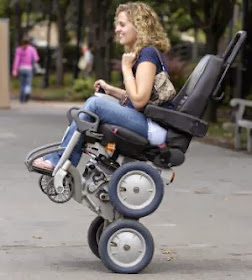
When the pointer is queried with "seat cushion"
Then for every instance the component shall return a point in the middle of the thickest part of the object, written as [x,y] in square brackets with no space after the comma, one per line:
[127,142]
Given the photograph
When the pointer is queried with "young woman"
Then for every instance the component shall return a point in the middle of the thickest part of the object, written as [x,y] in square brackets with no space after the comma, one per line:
[138,29]
[25,56]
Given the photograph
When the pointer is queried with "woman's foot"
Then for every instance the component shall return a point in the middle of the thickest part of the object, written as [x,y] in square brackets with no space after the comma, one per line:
[42,164]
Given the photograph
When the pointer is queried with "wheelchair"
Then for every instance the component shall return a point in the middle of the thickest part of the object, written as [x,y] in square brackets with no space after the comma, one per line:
[123,179]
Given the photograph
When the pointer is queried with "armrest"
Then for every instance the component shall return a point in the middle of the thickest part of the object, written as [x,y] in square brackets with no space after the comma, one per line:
[70,114]
[178,120]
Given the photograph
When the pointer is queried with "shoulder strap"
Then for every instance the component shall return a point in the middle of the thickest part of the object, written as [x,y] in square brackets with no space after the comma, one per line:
[160,59]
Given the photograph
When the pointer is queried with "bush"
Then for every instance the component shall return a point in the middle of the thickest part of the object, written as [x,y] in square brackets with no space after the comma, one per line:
[178,71]
[83,88]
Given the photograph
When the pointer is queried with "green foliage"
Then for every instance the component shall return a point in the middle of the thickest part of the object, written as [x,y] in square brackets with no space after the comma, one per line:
[3,8]
[83,88]
[249,96]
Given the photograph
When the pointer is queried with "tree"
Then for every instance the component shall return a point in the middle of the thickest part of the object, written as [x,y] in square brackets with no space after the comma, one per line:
[212,16]
[247,53]
[99,19]
[17,20]
[61,8]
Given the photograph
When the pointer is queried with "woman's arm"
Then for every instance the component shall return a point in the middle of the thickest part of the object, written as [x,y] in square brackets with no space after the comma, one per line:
[139,89]
[111,90]
[16,63]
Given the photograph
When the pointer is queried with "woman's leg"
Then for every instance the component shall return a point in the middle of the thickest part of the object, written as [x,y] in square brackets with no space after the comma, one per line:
[28,84]
[21,76]
[109,112]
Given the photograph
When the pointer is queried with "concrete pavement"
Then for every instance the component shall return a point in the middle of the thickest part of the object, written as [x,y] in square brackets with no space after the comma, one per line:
[202,230]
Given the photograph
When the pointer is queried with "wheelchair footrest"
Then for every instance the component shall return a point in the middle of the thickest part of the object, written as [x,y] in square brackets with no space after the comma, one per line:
[41,171]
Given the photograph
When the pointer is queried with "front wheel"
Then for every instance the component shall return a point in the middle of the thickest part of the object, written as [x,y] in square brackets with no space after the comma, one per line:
[126,246]
[94,234]
[136,189]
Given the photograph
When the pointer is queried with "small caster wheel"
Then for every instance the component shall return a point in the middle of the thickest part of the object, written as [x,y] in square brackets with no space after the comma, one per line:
[94,234]
[126,246]
[136,189]
[45,182]
[67,191]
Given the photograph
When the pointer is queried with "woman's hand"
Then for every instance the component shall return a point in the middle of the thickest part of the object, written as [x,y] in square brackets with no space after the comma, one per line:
[128,60]
[101,84]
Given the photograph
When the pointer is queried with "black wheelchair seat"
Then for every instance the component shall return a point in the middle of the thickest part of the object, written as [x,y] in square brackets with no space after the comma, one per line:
[135,146]
[127,142]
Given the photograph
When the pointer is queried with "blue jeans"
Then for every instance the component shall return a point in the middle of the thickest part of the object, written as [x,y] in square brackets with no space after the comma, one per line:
[25,79]
[109,112]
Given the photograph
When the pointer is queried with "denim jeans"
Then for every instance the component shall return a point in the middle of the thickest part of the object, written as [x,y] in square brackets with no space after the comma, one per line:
[109,112]
[25,79]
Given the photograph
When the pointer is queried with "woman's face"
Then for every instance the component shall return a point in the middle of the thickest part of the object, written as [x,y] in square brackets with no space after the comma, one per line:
[125,30]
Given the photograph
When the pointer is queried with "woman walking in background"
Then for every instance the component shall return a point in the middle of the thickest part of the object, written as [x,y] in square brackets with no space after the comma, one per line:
[25,56]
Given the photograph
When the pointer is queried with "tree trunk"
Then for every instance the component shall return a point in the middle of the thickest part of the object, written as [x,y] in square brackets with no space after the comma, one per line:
[195,50]
[61,10]
[211,42]
[247,50]
[79,37]
[99,36]
[45,83]
[17,23]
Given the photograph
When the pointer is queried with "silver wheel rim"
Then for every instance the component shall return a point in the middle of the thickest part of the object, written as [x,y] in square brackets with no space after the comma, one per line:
[126,247]
[65,193]
[136,190]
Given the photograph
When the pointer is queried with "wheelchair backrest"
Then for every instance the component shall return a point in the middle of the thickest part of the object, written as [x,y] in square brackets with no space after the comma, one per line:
[194,95]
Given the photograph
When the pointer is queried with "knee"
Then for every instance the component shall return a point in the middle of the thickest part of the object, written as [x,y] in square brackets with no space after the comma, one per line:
[92,104]
[89,105]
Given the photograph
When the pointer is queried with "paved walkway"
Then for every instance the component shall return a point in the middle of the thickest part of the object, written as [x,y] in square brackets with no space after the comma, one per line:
[202,230]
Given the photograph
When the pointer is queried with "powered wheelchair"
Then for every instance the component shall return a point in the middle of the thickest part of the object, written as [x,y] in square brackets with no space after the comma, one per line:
[123,179]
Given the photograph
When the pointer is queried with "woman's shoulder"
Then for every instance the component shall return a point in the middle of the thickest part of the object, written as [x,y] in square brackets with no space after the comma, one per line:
[148,53]
[148,50]
[153,55]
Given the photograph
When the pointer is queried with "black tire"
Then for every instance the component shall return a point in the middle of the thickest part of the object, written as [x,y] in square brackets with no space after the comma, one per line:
[94,234]
[44,180]
[126,246]
[121,205]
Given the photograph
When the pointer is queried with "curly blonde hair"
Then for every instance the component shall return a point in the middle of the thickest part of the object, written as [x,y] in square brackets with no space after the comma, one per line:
[149,29]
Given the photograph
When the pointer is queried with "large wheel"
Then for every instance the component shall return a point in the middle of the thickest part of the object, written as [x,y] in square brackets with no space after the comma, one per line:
[126,246]
[136,189]
[94,234]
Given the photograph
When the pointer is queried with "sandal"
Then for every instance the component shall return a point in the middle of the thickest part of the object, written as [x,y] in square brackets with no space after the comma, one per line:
[42,164]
